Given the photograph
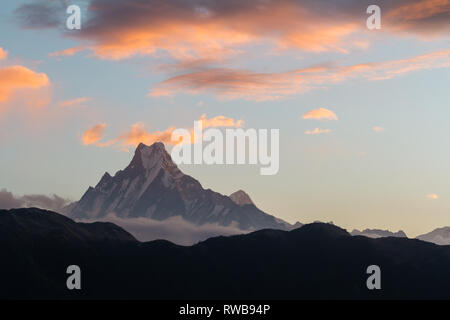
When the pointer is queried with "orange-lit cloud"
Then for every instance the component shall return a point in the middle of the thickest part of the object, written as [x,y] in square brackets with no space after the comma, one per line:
[210,38]
[3,54]
[317,131]
[432,196]
[181,41]
[138,133]
[94,134]
[323,38]
[320,114]
[198,30]
[67,52]
[73,102]
[191,31]
[18,77]
[243,84]
[220,121]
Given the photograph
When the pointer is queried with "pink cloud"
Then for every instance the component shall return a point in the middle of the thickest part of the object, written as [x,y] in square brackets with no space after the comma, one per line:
[17,77]
[3,54]
[320,114]
[243,84]
[93,135]
[138,133]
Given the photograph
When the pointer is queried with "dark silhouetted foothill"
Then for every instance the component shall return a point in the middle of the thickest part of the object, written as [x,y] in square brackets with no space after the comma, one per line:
[315,261]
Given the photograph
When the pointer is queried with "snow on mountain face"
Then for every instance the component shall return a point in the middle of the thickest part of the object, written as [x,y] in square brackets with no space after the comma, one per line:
[440,236]
[152,186]
[120,193]
[377,233]
[241,198]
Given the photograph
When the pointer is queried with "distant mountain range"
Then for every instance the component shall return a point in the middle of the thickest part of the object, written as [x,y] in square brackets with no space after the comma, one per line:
[440,236]
[315,261]
[377,233]
[152,186]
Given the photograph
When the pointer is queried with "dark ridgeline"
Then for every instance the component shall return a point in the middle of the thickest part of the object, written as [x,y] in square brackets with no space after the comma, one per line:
[315,261]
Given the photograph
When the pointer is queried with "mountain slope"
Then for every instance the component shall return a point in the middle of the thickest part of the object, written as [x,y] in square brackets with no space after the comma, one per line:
[440,236]
[152,186]
[241,198]
[316,261]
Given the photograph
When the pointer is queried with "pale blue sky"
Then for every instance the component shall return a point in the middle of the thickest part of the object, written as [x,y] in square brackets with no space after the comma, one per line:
[353,176]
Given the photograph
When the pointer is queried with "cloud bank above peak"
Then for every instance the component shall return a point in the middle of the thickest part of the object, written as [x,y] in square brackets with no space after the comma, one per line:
[216,29]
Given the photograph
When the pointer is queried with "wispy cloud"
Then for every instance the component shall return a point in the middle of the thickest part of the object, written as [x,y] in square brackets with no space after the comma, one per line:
[138,133]
[317,131]
[74,102]
[248,85]
[67,52]
[320,114]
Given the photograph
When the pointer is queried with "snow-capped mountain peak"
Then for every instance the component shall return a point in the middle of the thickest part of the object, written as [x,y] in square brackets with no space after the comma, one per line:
[154,158]
[150,157]
[153,186]
[241,198]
